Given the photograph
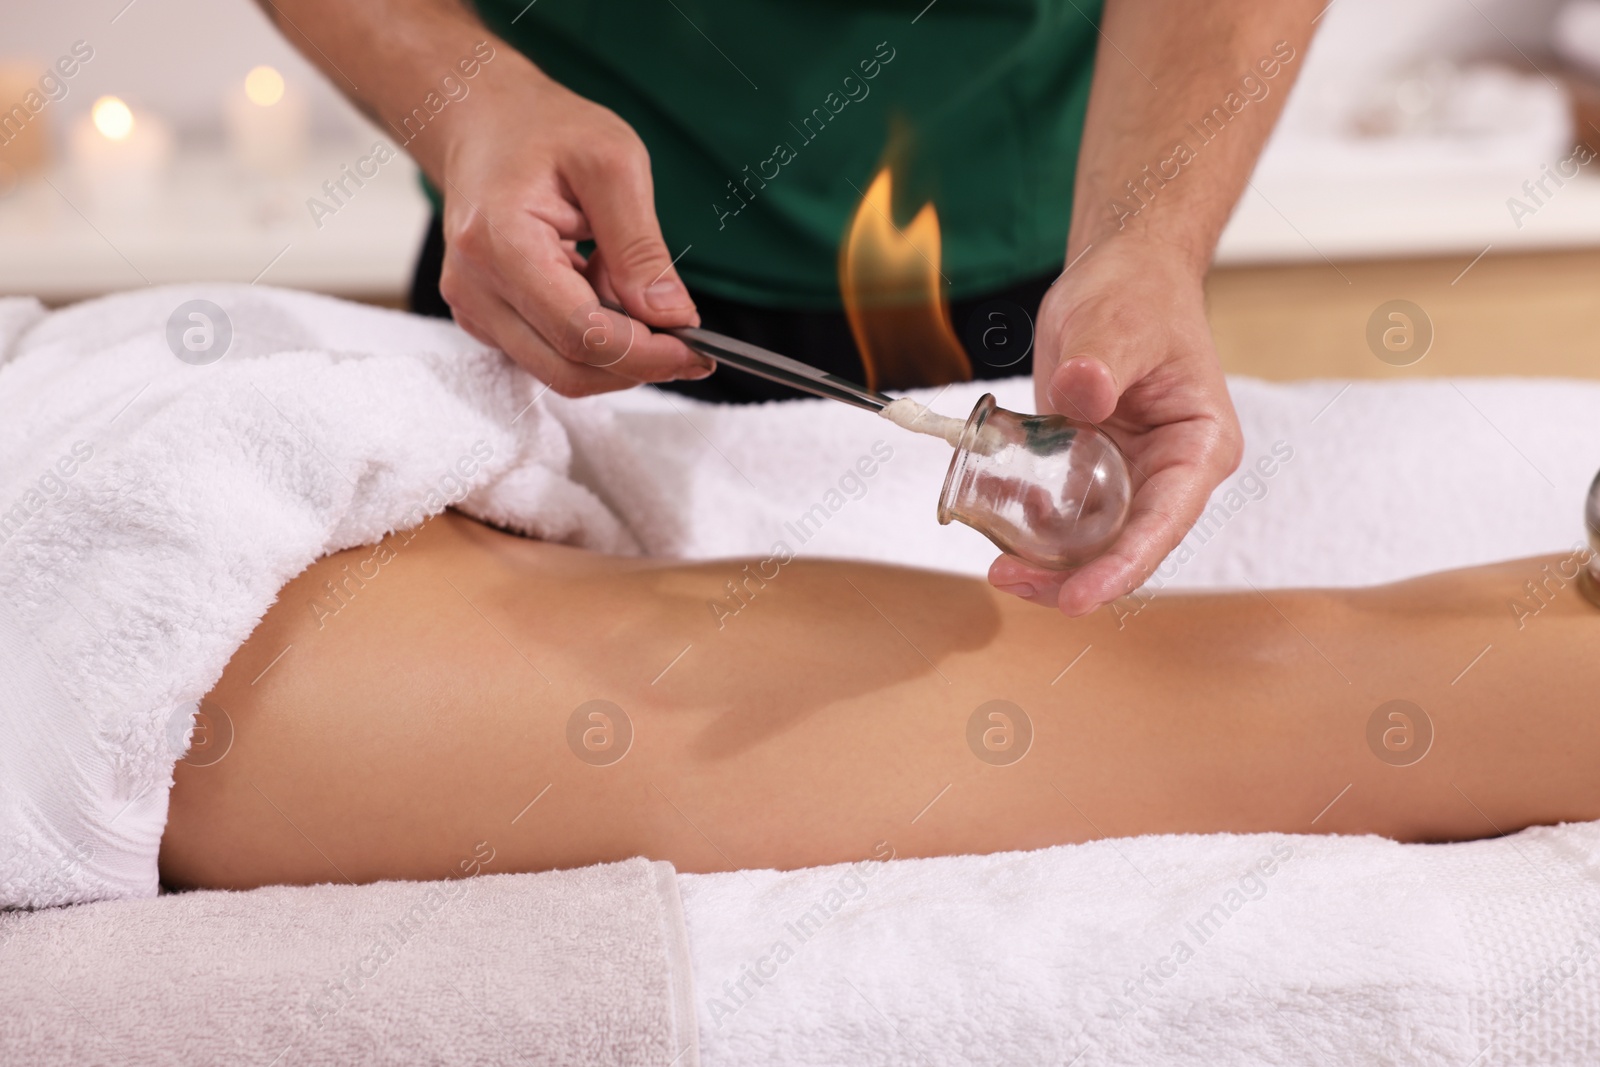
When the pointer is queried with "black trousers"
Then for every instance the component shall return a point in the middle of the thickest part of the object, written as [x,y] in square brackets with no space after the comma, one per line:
[996,330]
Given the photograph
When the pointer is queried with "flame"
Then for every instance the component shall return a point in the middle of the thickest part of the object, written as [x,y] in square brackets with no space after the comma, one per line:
[890,280]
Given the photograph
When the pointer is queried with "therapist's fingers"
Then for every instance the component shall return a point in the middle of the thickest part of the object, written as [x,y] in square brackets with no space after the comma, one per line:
[1025,581]
[512,336]
[491,320]
[575,257]
[604,285]
[1084,388]
[1103,353]
[1176,467]
[1115,574]
[522,260]
[612,182]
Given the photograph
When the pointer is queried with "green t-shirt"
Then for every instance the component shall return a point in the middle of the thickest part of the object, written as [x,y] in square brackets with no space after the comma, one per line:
[767,119]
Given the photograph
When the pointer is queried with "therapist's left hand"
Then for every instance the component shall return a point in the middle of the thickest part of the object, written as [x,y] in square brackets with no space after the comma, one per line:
[1123,343]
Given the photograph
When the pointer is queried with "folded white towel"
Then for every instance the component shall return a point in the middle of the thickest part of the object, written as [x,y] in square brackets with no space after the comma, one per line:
[559,968]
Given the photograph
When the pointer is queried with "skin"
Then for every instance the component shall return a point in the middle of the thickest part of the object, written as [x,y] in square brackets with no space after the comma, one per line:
[1122,337]
[425,722]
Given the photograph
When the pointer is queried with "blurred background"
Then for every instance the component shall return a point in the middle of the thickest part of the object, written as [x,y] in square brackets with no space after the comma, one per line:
[1429,154]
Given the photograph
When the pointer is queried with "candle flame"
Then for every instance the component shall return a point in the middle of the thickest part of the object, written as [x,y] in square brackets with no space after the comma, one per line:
[890,280]
[112,117]
[264,86]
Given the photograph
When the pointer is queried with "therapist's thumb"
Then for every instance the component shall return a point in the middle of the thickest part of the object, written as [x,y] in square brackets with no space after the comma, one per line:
[1084,388]
[620,207]
[1101,361]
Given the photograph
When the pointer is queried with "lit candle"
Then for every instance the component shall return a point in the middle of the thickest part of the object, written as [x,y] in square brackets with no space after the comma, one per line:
[25,129]
[120,156]
[267,123]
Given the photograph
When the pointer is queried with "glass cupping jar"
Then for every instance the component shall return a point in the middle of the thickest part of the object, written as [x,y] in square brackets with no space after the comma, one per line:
[1589,581]
[1043,488]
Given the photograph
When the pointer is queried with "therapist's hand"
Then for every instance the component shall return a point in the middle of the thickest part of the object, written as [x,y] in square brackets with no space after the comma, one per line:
[1122,342]
[1121,339]
[529,170]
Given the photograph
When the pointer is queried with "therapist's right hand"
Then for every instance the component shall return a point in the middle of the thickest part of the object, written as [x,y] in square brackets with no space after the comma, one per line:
[528,170]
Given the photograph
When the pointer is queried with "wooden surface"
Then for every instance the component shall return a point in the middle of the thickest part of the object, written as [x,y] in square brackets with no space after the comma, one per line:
[1525,314]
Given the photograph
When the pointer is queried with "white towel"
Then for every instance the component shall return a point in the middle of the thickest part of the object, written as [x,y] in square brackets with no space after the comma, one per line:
[1387,479]
[1217,950]
[555,969]
[1142,951]
[150,510]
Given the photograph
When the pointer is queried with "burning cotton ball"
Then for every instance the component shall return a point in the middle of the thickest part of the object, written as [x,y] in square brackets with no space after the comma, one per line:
[909,414]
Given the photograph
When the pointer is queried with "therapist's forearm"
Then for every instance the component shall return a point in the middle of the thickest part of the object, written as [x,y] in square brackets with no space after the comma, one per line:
[388,57]
[1182,101]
